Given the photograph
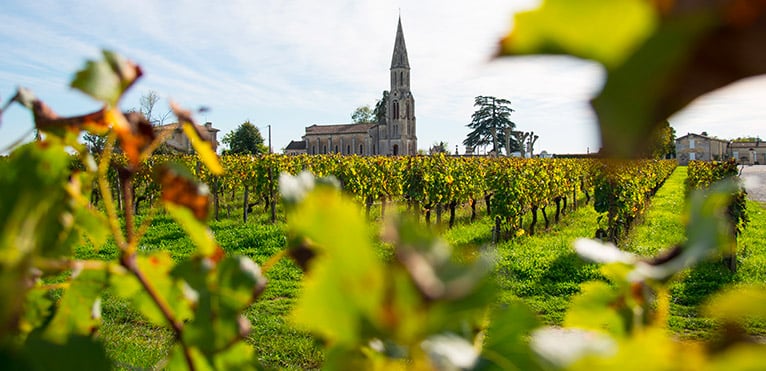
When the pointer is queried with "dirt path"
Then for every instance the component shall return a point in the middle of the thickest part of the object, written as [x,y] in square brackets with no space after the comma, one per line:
[757,191]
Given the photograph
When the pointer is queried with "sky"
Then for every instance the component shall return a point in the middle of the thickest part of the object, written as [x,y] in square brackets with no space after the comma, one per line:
[293,63]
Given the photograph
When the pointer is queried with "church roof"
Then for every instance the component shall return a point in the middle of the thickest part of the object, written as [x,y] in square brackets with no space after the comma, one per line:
[296,144]
[399,59]
[338,129]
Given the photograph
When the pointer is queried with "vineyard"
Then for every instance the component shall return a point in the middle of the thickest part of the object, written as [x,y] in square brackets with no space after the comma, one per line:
[429,186]
[116,259]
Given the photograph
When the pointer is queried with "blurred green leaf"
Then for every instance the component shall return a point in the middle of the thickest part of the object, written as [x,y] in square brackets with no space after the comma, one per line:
[605,31]
[79,310]
[199,232]
[107,79]
[506,346]
[594,309]
[155,268]
[738,304]
[74,353]
[343,288]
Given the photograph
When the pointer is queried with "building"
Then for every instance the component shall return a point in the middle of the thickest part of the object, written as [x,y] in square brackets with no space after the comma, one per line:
[749,153]
[178,142]
[701,147]
[296,147]
[393,135]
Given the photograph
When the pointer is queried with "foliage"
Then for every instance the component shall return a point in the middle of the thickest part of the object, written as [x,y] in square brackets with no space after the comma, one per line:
[363,115]
[662,143]
[490,123]
[245,139]
[380,107]
[659,55]
[199,299]
[440,147]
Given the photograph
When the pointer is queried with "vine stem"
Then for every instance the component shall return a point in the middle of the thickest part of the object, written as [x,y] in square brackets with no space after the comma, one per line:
[106,193]
[129,262]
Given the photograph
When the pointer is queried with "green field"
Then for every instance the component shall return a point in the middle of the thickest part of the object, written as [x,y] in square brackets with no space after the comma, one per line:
[542,270]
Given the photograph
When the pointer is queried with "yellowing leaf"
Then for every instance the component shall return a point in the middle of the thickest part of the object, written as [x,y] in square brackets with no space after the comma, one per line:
[605,31]
[204,149]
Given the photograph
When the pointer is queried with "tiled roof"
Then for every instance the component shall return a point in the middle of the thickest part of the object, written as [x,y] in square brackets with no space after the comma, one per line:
[296,145]
[338,129]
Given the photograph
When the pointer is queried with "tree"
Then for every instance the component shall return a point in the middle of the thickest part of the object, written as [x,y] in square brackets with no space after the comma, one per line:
[95,143]
[490,123]
[246,139]
[662,142]
[380,107]
[363,115]
[148,103]
[439,147]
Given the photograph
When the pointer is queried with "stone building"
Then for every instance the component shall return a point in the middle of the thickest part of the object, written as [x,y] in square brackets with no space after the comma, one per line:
[180,143]
[393,135]
[700,147]
[749,153]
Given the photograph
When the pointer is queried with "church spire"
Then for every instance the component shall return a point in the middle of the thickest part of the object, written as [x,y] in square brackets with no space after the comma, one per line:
[399,59]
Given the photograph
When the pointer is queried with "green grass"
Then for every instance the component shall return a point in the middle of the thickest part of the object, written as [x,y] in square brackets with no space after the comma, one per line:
[542,270]
[663,228]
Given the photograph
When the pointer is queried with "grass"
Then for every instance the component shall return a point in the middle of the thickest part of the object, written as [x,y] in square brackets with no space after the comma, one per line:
[541,270]
[663,228]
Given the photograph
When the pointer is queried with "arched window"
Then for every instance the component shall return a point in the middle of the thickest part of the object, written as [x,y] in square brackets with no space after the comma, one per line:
[401,78]
[325,149]
[313,150]
[396,149]
[361,149]
[336,148]
[373,150]
[348,150]
[396,110]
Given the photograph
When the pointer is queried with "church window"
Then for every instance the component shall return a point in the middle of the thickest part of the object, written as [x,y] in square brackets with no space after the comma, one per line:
[325,149]
[361,149]
[373,150]
[348,150]
[336,148]
[408,110]
[401,78]
[313,150]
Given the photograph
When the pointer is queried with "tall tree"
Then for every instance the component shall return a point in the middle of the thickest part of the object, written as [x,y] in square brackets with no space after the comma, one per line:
[490,123]
[363,115]
[662,142]
[380,107]
[245,139]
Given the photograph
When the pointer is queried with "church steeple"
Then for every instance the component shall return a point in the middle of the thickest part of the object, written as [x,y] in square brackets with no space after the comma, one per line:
[400,115]
[399,59]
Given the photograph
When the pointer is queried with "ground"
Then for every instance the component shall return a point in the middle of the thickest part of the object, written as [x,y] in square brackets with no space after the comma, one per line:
[756,191]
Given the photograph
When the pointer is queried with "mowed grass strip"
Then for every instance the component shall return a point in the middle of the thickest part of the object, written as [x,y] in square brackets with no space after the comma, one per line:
[663,227]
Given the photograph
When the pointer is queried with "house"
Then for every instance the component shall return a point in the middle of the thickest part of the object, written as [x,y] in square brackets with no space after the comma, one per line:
[748,152]
[296,147]
[701,147]
[394,134]
[178,142]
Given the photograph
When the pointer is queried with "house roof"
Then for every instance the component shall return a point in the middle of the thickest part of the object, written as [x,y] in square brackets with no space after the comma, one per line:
[296,145]
[338,129]
[701,136]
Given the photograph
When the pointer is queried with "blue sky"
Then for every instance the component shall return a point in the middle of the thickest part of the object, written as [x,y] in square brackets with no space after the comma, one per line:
[291,64]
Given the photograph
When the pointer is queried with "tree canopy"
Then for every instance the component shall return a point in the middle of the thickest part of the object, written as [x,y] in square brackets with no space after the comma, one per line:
[662,142]
[380,107]
[246,139]
[363,115]
[490,123]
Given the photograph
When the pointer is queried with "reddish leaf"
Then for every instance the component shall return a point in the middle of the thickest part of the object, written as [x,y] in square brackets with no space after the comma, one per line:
[180,189]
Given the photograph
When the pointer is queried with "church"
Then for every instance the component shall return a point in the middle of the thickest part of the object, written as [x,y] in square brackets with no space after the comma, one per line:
[393,135]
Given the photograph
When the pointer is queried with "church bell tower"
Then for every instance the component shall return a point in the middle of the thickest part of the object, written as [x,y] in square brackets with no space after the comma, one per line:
[401,104]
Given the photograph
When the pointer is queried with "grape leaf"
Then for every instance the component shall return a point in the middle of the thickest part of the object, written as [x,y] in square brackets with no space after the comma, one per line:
[107,79]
